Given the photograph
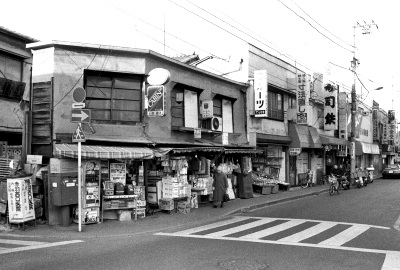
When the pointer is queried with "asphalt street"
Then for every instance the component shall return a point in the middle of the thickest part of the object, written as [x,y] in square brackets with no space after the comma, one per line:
[355,229]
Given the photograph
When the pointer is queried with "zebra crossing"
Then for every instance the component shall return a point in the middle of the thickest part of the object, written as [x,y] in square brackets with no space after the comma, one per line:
[280,231]
[10,245]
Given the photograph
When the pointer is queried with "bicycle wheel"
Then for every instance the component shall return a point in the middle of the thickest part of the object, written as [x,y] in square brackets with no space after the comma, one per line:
[337,190]
[331,189]
[303,183]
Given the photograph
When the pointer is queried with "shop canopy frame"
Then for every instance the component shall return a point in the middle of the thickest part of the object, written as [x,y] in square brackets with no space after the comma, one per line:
[102,152]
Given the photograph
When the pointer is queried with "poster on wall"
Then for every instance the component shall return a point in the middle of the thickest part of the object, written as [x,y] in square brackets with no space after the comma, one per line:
[118,173]
[330,107]
[260,93]
[20,200]
[303,97]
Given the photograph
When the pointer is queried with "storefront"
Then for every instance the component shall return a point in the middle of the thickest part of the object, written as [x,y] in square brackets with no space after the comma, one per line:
[335,152]
[367,154]
[305,153]
[388,154]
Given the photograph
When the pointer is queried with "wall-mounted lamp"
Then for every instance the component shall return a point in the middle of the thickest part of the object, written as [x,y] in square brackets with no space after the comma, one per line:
[179,97]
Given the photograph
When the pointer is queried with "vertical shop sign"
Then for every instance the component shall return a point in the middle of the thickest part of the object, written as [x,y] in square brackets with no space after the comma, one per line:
[391,132]
[330,108]
[375,109]
[156,100]
[260,93]
[342,115]
[359,119]
[225,139]
[384,130]
[303,97]
[391,117]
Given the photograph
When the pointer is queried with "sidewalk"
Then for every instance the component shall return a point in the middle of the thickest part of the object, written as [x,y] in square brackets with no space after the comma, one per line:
[161,220]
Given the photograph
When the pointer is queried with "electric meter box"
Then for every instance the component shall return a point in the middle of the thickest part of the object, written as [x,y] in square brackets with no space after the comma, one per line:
[64,190]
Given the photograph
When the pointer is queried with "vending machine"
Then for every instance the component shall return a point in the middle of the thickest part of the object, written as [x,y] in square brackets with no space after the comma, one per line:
[91,177]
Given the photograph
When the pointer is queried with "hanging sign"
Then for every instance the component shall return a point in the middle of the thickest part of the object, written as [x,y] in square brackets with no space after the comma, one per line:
[330,108]
[260,93]
[384,130]
[156,104]
[342,115]
[294,151]
[20,200]
[197,133]
[225,140]
[303,97]
[391,132]
[375,131]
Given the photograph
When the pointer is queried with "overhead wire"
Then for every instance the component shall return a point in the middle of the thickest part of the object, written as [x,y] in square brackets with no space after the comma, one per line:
[315,27]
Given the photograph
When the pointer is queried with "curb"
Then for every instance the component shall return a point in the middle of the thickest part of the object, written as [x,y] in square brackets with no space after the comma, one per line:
[257,206]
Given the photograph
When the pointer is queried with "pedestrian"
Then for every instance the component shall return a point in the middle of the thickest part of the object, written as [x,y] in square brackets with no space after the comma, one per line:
[220,186]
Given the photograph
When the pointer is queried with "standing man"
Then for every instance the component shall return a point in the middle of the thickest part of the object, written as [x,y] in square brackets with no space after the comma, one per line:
[220,186]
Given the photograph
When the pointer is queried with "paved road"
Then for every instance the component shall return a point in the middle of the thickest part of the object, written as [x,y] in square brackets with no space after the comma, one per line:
[353,230]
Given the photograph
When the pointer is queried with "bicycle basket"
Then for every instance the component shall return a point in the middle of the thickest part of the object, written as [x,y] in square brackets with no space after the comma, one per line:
[332,180]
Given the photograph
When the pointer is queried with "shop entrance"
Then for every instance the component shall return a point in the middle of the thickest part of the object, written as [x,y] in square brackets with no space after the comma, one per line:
[292,170]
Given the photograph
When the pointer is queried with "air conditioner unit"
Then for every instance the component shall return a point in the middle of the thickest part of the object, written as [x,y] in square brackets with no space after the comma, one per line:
[214,123]
[207,109]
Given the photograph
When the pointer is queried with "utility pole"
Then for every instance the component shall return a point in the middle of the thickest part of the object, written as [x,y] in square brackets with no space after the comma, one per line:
[366,28]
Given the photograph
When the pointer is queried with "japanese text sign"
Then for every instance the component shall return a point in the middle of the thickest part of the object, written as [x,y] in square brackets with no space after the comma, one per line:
[375,131]
[303,97]
[260,93]
[342,115]
[330,108]
[156,104]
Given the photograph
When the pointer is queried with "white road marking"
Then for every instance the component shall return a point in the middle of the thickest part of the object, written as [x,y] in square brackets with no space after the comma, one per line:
[345,236]
[19,242]
[392,261]
[272,230]
[212,226]
[397,224]
[11,250]
[297,237]
[242,227]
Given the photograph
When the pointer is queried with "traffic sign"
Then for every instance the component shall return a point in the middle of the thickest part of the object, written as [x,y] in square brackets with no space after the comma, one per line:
[79,94]
[78,105]
[80,115]
[78,135]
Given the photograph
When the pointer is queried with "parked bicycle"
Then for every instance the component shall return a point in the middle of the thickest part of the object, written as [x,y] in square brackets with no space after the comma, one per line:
[334,185]
[306,180]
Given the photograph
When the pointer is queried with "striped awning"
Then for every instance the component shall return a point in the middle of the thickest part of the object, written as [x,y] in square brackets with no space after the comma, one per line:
[243,151]
[103,152]
[200,149]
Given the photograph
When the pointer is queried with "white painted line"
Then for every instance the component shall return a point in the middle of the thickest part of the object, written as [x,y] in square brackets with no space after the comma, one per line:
[11,250]
[272,230]
[392,261]
[318,228]
[345,236]
[212,226]
[19,242]
[397,224]
[242,227]
[284,243]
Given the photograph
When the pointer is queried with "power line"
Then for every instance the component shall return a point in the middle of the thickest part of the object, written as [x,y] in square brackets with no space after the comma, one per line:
[315,28]
[321,25]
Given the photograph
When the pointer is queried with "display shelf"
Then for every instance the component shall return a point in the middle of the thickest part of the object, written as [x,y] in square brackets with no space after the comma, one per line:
[131,197]
[110,197]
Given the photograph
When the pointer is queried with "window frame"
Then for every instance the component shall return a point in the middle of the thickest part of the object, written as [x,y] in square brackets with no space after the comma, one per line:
[275,113]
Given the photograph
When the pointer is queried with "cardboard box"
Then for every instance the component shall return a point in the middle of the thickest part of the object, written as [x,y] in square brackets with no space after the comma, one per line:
[34,159]
[110,215]
[183,207]
[125,216]
[166,204]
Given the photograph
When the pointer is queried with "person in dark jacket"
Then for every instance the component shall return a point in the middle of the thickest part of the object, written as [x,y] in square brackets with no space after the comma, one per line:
[220,186]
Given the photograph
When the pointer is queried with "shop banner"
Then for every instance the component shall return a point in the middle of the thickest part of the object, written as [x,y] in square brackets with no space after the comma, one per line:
[20,200]
[155,100]
[384,131]
[391,117]
[343,115]
[303,98]
[391,132]
[118,173]
[330,108]
[375,130]
[260,93]
[359,119]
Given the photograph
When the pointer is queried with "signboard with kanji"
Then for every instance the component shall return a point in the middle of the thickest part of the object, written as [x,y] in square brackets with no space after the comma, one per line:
[156,104]
[391,132]
[330,107]
[303,97]
[343,115]
[20,200]
[260,93]
[384,131]
[375,131]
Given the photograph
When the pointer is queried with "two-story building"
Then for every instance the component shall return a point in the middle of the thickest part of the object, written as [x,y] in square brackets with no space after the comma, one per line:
[15,78]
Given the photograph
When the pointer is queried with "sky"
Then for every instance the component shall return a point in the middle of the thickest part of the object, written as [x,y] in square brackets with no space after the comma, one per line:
[317,36]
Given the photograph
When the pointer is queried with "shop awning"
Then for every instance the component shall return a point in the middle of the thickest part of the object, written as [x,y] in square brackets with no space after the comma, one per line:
[195,149]
[243,151]
[269,138]
[304,136]
[366,148]
[327,140]
[102,152]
